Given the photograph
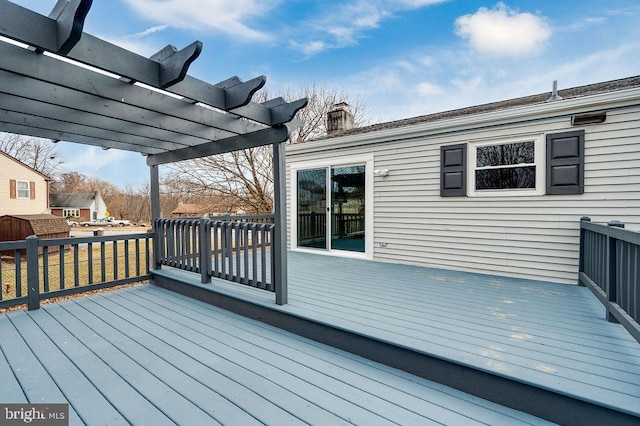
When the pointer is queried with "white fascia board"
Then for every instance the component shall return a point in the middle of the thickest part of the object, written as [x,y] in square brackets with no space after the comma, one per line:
[501,117]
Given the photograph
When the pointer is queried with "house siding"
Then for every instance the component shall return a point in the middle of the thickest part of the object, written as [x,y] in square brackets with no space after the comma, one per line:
[522,236]
[13,170]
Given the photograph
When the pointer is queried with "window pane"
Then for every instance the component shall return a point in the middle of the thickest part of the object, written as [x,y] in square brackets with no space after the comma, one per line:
[23,189]
[510,178]
[505,154]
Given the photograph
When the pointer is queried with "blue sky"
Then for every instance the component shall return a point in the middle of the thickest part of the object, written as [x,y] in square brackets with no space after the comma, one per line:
[401,57]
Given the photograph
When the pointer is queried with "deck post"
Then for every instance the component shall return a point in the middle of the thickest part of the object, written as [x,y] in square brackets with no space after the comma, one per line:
[33,283]
[205,251]
[612,285]
[582,248]
[155,214]
[279,246]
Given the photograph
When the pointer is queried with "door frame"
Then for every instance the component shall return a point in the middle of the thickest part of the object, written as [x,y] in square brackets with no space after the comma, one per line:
[367,160]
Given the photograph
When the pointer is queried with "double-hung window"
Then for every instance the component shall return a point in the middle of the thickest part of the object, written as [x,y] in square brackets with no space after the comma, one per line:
[22,189]
[513,167]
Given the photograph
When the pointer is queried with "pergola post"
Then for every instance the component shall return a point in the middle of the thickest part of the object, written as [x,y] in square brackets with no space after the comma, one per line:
[155,214]
[279,246]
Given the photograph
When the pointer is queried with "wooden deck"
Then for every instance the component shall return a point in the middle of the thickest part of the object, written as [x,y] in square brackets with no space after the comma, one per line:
[145,355]
[541,347]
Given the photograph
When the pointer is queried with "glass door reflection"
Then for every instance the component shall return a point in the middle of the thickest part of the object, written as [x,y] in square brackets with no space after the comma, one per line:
[312,208]
[347,208]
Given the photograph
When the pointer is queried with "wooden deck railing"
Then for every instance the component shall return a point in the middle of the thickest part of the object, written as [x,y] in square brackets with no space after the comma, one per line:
[38,269]
[610,267]
[234,248]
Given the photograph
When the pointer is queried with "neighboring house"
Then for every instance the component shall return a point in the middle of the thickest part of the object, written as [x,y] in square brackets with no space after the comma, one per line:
[85,207]
[23,190]
[497,188]
[189,210]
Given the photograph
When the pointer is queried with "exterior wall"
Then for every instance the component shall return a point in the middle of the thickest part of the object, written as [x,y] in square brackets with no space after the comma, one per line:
[523,236]
[13,170]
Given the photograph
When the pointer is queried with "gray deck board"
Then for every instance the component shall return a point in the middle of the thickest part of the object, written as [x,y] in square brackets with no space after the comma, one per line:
[551,336]
[506,326]
[400,387]
[85,399]
[103,362]
[148,353]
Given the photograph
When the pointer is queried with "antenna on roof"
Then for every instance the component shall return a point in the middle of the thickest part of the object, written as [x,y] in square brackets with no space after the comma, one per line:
[554,93]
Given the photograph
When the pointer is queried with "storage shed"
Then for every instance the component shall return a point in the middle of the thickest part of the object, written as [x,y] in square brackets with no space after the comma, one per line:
[43,226]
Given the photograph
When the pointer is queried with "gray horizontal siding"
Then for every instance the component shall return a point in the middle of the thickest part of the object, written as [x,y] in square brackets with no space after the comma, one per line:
[531,237]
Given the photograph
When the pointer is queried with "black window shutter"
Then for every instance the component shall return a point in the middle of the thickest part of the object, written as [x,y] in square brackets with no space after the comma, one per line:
[453,170]
[565,163]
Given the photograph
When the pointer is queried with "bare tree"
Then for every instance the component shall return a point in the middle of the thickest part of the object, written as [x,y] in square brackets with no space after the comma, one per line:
[243,180]
[314,115]
[39,154]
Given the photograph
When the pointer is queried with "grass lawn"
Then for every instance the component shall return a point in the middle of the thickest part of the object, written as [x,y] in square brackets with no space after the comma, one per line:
[94,266]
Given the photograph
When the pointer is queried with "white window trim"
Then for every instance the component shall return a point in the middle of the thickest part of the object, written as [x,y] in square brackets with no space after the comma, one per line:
[28,189]
[367,160]
[540,164]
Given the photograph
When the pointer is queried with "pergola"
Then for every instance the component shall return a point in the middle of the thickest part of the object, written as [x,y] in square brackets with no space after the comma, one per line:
[63,84]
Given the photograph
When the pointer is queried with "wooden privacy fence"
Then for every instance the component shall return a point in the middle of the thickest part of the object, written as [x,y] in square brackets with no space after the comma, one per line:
[233,248]
[610,267]
[41,269]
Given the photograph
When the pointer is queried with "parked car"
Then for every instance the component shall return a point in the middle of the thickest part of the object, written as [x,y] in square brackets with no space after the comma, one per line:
[107,221]
[72,222]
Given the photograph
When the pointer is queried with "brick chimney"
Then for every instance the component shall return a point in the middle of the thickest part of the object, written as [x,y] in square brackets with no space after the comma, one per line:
[339,119]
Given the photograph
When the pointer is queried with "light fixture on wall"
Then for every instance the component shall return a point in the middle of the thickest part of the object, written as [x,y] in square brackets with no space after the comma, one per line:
[381,172]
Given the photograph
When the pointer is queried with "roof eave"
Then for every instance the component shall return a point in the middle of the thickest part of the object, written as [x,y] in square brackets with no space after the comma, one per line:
[566,107]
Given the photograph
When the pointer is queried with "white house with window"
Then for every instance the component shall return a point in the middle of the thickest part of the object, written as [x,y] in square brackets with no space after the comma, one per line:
[23,190]
[83,207]
[497,188]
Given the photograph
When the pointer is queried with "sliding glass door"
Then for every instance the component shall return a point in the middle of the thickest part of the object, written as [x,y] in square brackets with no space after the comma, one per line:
[312,208]
[331,208]
[347,208]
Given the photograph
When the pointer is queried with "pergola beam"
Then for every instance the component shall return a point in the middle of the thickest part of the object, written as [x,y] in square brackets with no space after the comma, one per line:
[267,136]
[57,33]
[174,63]
[97,123]
[158,71]
[64,135]
[20,61]
[121,116]
[69,16]
[105,135]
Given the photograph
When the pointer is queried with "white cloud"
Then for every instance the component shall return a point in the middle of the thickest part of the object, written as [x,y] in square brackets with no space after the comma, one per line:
[429,89]
[228,17]
[502,31]
[310,48]
[148,32]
